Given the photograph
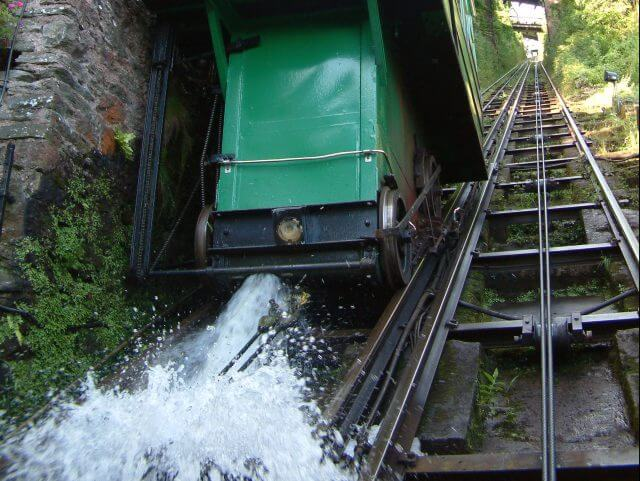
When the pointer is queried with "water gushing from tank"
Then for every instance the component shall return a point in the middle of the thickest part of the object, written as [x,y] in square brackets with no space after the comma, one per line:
[187,423]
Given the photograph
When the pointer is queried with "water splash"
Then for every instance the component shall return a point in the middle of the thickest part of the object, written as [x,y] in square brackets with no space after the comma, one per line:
[187,423]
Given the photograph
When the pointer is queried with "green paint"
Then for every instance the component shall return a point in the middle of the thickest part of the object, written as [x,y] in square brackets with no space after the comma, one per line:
[297,94]
[218,45]
[376,35]
[318,83]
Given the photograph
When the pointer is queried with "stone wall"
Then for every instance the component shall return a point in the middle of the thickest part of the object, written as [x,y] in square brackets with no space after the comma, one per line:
[81,70]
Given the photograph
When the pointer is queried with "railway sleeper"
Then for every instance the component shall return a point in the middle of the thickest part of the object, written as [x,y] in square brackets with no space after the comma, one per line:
[567,329]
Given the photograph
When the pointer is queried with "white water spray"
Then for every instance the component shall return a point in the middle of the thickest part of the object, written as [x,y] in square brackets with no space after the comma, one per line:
[187,423]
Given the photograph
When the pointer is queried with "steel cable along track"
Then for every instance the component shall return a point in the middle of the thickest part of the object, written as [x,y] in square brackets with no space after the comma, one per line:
[532,136]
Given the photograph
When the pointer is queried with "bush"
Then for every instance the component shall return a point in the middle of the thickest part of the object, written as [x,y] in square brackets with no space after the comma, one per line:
[589,36]
[7,22]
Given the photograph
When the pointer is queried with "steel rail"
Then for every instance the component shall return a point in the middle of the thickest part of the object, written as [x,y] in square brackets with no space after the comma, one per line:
[502,88]
[493,132]
[546,351]
[503,76]
[627,235]
[404,304]
[419,372]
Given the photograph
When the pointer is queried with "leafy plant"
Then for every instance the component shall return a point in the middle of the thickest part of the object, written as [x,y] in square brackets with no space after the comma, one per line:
[10,328]
[488,390]
[79,302]
[7,22]
[124,140]
[494,401]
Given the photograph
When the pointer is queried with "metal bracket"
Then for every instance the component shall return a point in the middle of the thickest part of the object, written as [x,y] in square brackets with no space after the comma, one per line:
[397,229]
[398,457]
[527,336]
[222,159]
[576,324]
[242,44]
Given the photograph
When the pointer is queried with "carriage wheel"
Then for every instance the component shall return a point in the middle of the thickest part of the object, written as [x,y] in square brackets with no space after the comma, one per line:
[395,250]
[204,236]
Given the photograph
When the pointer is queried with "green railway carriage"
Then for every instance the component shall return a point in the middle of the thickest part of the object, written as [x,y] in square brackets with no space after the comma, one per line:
[338,114]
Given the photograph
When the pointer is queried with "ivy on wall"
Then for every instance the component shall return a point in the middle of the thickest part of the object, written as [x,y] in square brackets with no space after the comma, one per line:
[498,46]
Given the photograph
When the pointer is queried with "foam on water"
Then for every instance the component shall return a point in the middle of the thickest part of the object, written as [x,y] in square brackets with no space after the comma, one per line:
[250,425]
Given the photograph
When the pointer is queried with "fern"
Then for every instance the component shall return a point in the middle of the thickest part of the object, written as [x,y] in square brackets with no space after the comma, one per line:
[125,141]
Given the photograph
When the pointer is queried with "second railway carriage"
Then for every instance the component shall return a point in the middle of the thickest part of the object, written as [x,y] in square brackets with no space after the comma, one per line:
[341,119]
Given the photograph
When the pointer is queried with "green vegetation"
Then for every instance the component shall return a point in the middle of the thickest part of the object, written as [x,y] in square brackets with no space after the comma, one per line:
[561,233]
[498,46]
[494,401]
[177,152]
[476,293]
[7,22]
[124,141]
[588,36]
[594,287]
[585,38]
[80,304]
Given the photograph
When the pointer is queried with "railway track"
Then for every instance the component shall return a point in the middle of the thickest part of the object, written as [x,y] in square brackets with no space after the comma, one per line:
[534,149]
[531,139]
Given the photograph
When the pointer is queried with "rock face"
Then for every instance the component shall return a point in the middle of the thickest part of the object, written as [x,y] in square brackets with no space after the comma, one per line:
[80,70]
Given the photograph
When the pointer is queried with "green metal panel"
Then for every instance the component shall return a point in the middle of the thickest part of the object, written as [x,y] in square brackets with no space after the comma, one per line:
[218,45]
[302,92]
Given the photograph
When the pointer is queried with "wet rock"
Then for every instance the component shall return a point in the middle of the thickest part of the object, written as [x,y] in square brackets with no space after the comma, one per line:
[627,343]
[70,57]
[23,130]
[9,281]
[446,424]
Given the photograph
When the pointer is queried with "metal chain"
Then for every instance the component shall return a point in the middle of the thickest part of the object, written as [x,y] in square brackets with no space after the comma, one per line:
[200,183]
[175,226]
[207,138]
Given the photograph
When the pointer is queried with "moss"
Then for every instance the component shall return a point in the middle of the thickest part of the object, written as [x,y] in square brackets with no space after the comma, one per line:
[475,292]
[79,299]
[472,293]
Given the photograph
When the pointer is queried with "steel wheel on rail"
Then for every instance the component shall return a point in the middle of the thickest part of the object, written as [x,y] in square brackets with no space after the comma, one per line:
[395,250]
[204,236]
